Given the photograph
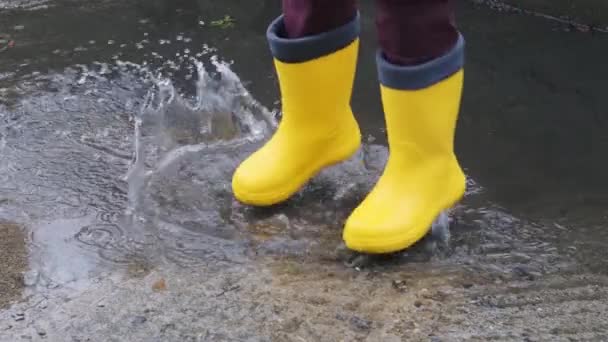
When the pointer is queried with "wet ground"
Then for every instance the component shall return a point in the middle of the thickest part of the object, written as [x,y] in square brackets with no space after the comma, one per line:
[120,126]
[13,260]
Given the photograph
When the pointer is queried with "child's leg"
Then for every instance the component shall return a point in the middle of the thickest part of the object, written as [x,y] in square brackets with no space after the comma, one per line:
[311,17]
[315,47]
[420,66]
[415,31]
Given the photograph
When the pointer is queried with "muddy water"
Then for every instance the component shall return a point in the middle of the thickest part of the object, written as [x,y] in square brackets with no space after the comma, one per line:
[118,144]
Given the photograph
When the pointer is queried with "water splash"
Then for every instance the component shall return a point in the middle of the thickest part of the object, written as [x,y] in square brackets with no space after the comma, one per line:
[169,126]
[169,130]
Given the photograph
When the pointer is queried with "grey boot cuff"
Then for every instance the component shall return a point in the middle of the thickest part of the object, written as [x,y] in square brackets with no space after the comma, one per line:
[413,77]
[307,48]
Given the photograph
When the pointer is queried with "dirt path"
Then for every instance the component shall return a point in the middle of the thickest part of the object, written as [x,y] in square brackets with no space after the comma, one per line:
[13,261]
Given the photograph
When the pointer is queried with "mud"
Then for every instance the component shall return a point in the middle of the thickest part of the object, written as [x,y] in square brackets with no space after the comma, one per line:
[291,301]
[13,262]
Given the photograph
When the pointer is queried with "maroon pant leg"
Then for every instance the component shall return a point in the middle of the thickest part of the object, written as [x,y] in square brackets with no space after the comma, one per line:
[310,17]
[415,31]
[410,31]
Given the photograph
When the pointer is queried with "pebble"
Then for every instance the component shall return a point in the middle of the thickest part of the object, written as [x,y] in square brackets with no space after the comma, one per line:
[341,316]
[166,327]
[52,285]
[139,320]
[360,323]
[19,317]
[400,285]
[43,305]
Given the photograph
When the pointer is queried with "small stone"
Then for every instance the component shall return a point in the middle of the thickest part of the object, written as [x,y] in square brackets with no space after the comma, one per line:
[19,317]
[341,316]
[41,332]
[139,320]
[440,296]
[429,296]
[399,285]
[166,327]
[417,303]
[525,273]
[52,285]
[360,323]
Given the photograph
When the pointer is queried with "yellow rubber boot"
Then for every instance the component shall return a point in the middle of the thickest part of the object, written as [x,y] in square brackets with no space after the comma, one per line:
[422,177]
[317,129]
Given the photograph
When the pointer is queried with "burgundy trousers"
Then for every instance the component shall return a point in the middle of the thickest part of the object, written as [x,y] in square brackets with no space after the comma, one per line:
[409,31]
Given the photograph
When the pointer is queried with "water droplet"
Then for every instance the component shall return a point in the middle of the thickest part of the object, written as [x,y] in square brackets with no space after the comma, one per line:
[30,278]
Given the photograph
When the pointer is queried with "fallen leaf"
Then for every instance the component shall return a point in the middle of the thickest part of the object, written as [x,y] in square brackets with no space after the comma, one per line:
[159,285]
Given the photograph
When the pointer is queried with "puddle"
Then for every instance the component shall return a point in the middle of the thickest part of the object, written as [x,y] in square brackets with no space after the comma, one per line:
[116,167]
